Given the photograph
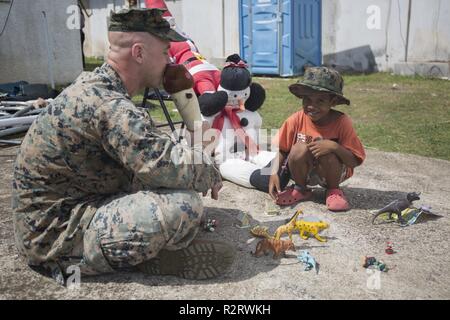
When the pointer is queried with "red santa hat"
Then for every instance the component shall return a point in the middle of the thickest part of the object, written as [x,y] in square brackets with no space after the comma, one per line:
[158,4]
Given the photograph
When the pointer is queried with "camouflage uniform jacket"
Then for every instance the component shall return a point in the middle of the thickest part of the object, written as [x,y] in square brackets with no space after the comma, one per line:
[91,143]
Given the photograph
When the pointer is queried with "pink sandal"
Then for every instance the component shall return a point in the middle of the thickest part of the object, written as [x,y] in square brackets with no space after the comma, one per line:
[336,200]
[292,195]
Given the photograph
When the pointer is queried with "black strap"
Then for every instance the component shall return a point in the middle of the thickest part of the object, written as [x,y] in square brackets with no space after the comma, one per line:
[191,59]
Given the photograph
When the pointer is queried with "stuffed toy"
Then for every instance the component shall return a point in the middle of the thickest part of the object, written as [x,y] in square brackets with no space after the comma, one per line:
[237,118]
[238,151]
[229,101]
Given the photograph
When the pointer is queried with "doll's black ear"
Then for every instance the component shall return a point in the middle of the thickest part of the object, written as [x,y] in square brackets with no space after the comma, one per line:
[257,97]
[235,58]
[211,103]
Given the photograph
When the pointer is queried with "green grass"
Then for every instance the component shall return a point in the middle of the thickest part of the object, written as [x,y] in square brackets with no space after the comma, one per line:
[413,118]
[156,112]
[92,63]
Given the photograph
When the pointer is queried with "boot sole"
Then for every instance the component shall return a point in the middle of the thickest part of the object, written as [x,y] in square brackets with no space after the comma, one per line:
[201,260]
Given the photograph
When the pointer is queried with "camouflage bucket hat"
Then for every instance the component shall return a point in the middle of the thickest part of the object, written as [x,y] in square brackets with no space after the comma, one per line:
[320,79]
[143,20]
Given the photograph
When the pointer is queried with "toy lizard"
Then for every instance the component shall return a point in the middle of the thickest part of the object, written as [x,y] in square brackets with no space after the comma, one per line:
[398,206]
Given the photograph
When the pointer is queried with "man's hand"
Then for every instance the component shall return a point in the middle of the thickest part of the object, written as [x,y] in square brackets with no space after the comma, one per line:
[214,191]
[322,147]
[274,186]
[208,137]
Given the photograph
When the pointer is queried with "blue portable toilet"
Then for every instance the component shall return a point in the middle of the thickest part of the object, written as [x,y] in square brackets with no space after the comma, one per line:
[280,37]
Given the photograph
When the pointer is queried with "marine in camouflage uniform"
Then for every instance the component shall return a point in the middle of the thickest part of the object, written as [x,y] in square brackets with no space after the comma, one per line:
[98,186]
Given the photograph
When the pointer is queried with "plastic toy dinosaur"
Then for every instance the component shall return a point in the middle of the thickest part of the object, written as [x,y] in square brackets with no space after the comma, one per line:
[398,206]
[261,232]
[308,261]
[277,246]
[307,228]
[288,227]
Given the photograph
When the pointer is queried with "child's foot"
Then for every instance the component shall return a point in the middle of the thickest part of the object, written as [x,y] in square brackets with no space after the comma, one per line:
[292,195]
[336,200]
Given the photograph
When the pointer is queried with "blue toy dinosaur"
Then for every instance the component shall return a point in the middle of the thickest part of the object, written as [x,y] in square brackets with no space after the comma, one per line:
[308,261]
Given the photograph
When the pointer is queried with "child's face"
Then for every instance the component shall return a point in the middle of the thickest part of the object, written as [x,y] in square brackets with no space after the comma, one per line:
[318,106]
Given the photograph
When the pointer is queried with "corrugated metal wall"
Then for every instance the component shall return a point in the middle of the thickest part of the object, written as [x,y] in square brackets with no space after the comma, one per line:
[23,44]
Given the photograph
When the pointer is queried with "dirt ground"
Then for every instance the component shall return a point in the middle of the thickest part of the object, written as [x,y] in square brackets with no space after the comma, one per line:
[419,269]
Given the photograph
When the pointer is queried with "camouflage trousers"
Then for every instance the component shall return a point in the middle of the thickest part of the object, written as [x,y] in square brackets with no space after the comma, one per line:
[127,230]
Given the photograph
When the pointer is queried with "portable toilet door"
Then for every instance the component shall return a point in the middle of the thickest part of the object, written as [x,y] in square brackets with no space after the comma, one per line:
[280,37]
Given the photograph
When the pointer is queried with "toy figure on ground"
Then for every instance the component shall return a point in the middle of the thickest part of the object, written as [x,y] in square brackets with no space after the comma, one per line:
[308,261]
[409,216]
[210,225]
[389,248]
[288,227]
[317,145]
[373,263]
[306,226]
[277,246]
[413,215]
[397,206]
[244,221]
[311,226]
[261,232]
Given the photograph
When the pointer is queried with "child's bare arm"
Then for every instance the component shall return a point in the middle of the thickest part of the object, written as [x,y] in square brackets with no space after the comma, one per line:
[274,181]
[277,162]
[346,156]
[324,147]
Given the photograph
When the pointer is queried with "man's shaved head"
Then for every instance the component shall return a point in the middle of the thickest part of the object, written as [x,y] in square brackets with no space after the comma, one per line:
[119,40]
[139,58]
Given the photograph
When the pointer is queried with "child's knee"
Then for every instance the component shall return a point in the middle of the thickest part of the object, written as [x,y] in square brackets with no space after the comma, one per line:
[300,152]
[330,161]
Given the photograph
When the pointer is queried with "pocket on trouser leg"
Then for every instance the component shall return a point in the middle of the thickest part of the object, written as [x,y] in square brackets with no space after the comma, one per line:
[122,248]
[93,254]
[125,253]
[182,214]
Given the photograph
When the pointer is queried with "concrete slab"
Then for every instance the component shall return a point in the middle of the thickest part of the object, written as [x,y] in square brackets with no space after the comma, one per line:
[419,269]
[426,69]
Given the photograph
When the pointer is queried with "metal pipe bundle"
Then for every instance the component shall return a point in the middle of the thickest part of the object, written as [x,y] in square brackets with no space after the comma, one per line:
[17,117]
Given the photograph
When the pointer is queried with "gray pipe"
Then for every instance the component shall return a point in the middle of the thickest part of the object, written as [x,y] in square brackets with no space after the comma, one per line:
[15,109]
[17,121]
[7,132]
[23,111]
[33,112]
[49,51]
[16,103]
[408,25]
[14,142]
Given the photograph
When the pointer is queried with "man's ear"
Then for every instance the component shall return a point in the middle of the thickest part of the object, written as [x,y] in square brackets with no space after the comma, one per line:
[137,52]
